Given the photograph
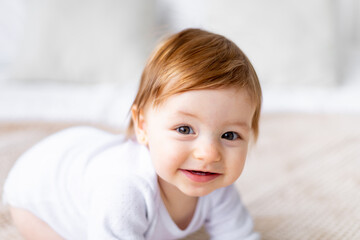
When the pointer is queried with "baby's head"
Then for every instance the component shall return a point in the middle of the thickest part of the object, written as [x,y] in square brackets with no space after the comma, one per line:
[195,59]
[197,107]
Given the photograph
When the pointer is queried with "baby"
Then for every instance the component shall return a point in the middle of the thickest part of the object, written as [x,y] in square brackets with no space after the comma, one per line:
[195,113]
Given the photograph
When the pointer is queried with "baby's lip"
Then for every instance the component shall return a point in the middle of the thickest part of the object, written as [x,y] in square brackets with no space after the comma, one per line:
[205,172]
[200,176]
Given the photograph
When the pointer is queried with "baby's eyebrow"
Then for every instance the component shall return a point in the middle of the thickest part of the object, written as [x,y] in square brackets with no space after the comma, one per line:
[187,114]
[241,124]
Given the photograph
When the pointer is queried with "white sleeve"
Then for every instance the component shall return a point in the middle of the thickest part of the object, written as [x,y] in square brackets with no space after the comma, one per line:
[117,213]
[228,218]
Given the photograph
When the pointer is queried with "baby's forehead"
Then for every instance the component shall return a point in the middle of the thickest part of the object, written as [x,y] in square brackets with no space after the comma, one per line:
[212,98]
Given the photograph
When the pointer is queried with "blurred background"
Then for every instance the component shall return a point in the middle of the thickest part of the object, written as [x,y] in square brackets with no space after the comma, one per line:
[77,60]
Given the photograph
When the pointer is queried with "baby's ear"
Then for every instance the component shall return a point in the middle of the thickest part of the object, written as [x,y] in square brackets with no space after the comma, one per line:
[138,119]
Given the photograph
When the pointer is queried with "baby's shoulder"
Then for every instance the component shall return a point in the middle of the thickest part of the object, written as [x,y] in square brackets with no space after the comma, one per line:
[73,136]
[64,147]
[77,133]
[123,164]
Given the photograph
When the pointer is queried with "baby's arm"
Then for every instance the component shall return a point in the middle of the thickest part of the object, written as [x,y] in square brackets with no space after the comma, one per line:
[117,213]
[229,219]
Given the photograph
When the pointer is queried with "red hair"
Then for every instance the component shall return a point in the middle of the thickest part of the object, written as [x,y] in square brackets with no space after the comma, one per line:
[195,59]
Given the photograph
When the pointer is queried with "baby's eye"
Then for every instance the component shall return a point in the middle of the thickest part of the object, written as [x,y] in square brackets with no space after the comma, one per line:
[185,130]
[230,136]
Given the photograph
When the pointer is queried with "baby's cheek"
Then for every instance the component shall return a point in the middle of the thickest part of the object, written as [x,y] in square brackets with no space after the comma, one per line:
[164,156]
[238,168]
[177,155]
[235,165]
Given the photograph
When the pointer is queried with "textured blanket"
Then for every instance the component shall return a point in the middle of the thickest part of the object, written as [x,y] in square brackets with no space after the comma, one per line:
[301,180]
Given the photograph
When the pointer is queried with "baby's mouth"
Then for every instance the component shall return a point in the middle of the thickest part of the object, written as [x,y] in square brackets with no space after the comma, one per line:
[200,176]
[200,173]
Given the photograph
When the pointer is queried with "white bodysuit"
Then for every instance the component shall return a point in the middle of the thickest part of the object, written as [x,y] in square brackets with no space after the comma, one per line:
[89,184]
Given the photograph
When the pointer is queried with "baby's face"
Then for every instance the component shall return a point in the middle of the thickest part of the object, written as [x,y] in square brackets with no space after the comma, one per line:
[198,140]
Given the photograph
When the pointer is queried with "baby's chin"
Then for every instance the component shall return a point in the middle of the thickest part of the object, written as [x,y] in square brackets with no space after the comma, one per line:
[200,191]
[197,192]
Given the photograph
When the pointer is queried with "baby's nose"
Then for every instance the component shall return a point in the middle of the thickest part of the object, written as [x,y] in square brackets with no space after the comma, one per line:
[208,151]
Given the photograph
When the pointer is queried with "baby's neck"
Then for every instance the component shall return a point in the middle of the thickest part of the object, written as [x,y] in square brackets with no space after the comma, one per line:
[180,207]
